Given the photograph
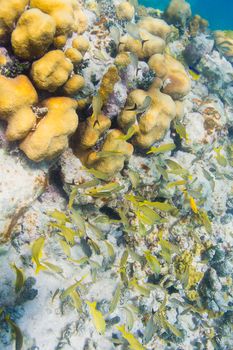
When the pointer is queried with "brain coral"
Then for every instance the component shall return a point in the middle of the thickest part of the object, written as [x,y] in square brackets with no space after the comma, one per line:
[51,135]
[9,14]
[51,71]
[16,98]
[29,43]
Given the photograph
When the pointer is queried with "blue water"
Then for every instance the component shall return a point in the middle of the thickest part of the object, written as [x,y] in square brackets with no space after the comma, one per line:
[219,13]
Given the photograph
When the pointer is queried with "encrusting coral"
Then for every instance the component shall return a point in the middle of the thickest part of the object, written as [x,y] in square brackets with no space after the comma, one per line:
[51,134]
[17,96]
[51,71]
[29,43]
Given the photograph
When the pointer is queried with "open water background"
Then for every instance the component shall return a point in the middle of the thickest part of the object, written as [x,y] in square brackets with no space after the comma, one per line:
[219,13]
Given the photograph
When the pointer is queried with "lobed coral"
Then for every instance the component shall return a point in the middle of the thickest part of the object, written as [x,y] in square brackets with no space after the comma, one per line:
[125,11]
[117,152]
[154,122]
[51,71]
[29,43]
[176,81]
[16,110]
[178,12]
[51,134]
[9,14]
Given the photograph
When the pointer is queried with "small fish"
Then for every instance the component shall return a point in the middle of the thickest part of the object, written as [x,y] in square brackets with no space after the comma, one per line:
[97,104]
[115,34]
[17,332]
[134,344]
[97,316]
[153,262]
[219,157]
[20,278]
[194,73]
[193,205]
[37,251]
[116,298]
[162,149]
[130,133]
[145,105]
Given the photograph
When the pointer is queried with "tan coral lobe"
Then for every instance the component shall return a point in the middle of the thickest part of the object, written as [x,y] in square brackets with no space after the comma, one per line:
[9,14]
[30,43]
[51,71]
[51,135]
[16,98]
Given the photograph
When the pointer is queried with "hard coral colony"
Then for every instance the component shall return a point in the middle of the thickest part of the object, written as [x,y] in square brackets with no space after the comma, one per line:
[117,125]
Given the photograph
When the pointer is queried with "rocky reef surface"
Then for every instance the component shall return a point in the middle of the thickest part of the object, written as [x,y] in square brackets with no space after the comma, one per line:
[116,195]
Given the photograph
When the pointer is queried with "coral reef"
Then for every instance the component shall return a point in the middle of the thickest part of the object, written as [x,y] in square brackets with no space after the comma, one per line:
[116,157]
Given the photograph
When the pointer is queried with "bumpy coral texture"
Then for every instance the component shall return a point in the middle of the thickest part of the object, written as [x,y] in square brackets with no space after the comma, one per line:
[30,43]
[16,98]
[176,81]
[52,132]
[111,164]
[153,124]
[125,11]
[66,13]
[9,14]
[51,71]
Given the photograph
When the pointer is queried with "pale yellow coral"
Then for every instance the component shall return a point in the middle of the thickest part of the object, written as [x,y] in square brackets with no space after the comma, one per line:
[74,55]
[29,43]
[67,15]
[10,11]
[111,164]
[122,60]
[178,12]
[90,131]
[125,11]
[51,135]
[147,46]
[154,122]
[51,71]
[16,98]
[155,26]
[74,84]
[176,81]
[81,44]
